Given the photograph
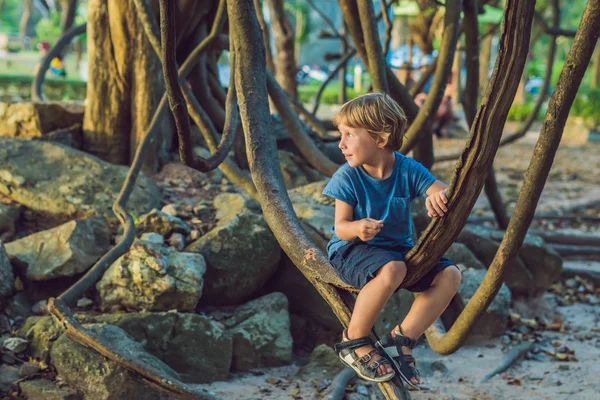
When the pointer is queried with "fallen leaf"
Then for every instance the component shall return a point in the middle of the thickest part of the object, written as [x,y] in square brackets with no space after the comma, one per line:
[273,381]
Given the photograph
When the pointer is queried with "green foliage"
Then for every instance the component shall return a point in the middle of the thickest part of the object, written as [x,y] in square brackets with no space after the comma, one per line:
[49,28]
[10,16]
[587,106]
[330,95]
[520,112]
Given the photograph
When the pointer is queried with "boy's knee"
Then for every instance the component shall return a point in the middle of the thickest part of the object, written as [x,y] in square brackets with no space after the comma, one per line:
[394,272]
[452,277]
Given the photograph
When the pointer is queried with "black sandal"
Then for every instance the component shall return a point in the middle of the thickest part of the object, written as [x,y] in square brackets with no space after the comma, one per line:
[391,347]
[346,353]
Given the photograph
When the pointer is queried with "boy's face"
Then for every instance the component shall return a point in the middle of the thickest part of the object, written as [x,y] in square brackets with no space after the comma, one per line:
[358,147]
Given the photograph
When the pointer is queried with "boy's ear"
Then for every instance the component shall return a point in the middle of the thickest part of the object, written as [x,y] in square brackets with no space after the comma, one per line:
[381,142]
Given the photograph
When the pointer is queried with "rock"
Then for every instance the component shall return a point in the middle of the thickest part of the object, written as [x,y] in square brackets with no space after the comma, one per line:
[19,306]
[295,171]
[100,378]
[302,296]
[162,223]
[40,308]
[320,217]
[15,344]
[34,120]
[202,210]
[27,369]
[311,194]
[420,219]
[170,210]
[66,250]
[193,345]
[460,254]
[531,273]
[324,362]
[543,264]
[477,239]
[7,278]
[43,389]
[152,237]
[154,278]
[71,136]
[177,241]
[58,180]
[8,375]
[229,205]
[84,302]
[40,332]
[241,255]
[394,311]
[494,321]
[8,218]
[261,333]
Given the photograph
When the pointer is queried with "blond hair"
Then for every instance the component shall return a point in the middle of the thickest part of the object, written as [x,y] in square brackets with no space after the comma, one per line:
[379,114]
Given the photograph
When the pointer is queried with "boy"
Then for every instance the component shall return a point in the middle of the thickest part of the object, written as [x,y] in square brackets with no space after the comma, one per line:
[372,234]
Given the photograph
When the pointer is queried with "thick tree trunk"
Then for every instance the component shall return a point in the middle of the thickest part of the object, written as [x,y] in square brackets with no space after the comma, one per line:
[285,63]
[125,81]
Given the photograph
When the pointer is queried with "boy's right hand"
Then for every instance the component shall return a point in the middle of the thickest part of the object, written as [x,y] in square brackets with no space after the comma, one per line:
[368,228]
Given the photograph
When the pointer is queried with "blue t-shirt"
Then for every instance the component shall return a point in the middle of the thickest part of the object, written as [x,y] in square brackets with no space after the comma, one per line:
[386,199]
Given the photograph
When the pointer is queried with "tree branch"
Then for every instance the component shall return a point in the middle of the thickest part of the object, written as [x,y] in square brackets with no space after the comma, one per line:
[537,173]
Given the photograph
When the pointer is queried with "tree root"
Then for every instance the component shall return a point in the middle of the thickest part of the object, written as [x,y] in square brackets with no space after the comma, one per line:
[76,332]
[338,386]
[512,356]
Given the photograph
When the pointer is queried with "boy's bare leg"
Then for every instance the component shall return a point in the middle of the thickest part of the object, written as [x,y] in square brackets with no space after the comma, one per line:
[429,305]
[370,302]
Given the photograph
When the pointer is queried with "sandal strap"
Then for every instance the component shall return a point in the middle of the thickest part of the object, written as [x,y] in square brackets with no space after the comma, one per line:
[402,340]
[352,344]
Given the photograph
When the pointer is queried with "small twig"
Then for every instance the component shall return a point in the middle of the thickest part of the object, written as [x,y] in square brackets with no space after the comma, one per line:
[512,356]
[338,386]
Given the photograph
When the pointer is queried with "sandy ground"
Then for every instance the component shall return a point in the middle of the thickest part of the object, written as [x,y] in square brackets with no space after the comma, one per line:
[458,376]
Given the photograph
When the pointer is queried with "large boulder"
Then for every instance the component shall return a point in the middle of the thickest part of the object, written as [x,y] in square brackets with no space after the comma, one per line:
[34,120]
[66,250]
[9,216]
[311,194]
[193,345]
[100,378]
[295,171]
[460,254]
[531,273]
[241,255]
[56,179]
[159,222]
[261,333]
[7,278]
[494,320]
[152,277]
[394,311]
[303,298]
[44,389]
[228,205]
[41,333]
[314,208]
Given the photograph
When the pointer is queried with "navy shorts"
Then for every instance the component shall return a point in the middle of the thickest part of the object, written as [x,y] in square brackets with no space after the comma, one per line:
[357,262]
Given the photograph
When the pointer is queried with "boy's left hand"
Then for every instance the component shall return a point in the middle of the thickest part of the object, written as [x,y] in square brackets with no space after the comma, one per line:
[436,204]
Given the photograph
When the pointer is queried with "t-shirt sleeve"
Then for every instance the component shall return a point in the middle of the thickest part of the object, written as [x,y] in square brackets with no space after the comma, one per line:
[340,187]
[420,179]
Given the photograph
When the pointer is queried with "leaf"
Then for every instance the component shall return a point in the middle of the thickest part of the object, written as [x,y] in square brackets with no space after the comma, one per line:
[273,381]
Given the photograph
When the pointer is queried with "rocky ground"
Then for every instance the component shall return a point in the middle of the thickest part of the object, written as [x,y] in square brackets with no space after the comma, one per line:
[180,299]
